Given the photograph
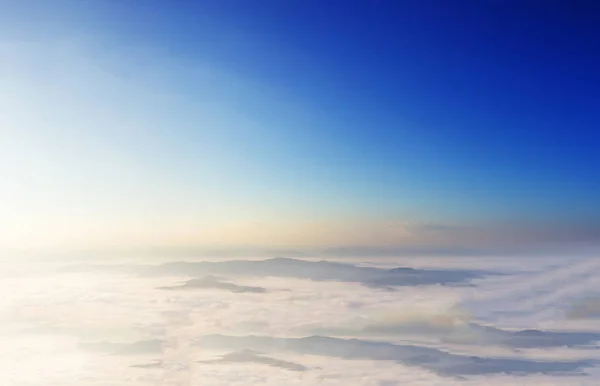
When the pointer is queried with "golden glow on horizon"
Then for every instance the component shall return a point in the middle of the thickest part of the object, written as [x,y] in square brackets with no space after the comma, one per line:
[178,232]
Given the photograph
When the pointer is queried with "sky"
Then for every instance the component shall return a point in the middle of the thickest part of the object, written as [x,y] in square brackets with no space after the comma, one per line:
[299,125]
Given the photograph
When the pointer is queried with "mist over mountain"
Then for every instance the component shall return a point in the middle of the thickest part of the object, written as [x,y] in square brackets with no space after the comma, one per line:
[301,269]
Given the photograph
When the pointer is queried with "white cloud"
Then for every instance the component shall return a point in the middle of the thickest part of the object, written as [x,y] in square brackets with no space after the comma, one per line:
[56,312]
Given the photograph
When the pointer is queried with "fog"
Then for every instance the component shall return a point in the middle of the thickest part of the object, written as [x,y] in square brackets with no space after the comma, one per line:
[291,321]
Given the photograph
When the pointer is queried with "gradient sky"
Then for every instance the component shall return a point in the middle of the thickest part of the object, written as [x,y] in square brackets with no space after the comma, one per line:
[299,124]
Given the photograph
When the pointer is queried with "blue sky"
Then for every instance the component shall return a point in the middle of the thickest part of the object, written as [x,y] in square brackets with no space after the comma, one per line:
[298,123]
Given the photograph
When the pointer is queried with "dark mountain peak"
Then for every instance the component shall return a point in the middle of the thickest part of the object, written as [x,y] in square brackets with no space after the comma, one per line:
[283,260]
[402,270]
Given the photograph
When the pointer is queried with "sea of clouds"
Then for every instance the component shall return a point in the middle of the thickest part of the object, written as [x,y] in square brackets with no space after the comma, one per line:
[426,321]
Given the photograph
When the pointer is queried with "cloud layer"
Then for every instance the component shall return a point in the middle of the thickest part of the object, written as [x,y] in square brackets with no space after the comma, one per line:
[286,321]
